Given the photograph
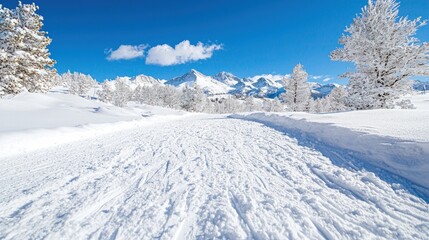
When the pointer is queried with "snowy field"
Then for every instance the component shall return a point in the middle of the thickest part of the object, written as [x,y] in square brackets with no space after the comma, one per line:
[396,140]
[144,173]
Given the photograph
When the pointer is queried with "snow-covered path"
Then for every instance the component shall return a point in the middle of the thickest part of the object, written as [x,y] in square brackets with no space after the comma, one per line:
[202,177]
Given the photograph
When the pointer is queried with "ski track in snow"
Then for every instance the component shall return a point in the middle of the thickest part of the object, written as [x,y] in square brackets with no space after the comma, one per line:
[204,178]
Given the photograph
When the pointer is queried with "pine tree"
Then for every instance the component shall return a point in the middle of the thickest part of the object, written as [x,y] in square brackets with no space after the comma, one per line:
[297,95]
[106,93]
[122,93]
[9,82]
[386,53]
[25,61]
[337,100]
[249,105]
[82,84]
[138,94]
[192,99]
[33,56]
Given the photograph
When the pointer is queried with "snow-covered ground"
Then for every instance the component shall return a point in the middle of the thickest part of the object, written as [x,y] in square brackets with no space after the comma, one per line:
[396,140]
[31,121]
[168,175]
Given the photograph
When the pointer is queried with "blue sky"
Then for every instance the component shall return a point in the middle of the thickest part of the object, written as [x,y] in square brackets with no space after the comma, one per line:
[257,36]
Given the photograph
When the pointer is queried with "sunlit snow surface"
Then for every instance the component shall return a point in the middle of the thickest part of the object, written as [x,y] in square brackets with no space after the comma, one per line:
[169,175]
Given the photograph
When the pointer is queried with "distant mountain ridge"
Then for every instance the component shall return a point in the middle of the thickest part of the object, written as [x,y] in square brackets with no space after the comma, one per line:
[269,86]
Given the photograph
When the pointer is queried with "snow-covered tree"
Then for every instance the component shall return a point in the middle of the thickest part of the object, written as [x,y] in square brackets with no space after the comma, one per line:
[386,53]
[25,61]
[122,93]
[337,99]
[249,104]
[78,83]
[272,105]
[106,92]
[35,65]
[138,94]
[297,95]
[193,99]
[320,105]
[9,82]
[312,106]
[171,96]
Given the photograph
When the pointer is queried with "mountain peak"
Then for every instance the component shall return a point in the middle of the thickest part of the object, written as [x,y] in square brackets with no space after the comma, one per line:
[195,72]
[225,75]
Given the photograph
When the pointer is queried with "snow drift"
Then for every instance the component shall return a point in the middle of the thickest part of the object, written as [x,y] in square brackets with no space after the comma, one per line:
[31,121]
[394,140]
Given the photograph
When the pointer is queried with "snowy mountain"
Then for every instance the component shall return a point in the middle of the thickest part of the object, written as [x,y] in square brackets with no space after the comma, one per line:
[319,91]
[195,78]
[261,85]
[139,80]
[266,85]
[420,86]
[239,86]
[228,78]
[144,81]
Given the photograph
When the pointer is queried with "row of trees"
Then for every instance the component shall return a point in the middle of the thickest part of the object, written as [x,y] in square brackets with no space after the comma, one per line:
[77,83]
[25,62]
[298,95]
[191,98]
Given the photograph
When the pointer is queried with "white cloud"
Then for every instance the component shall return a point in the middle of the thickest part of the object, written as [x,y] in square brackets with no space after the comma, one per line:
[316,77]
[126,52]
[327,79]
[184,52]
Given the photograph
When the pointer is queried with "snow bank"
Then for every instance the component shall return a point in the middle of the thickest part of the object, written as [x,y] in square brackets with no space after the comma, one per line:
[13,143]
[394,140]
[34,110]
[31,121]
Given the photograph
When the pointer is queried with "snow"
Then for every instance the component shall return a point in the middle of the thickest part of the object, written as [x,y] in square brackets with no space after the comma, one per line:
[35,110]
[208,84]
[393,139]
[202,177]
[31,121]
[69,172]
[139,80]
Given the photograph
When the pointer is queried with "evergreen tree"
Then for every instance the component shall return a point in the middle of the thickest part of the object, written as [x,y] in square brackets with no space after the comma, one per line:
[9,82]
[122,93]
[25,61]
[106,93]
[249,104]
[192,99]
[337,100]
[297,95]
[34,68]
[386,53]
[78,83]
